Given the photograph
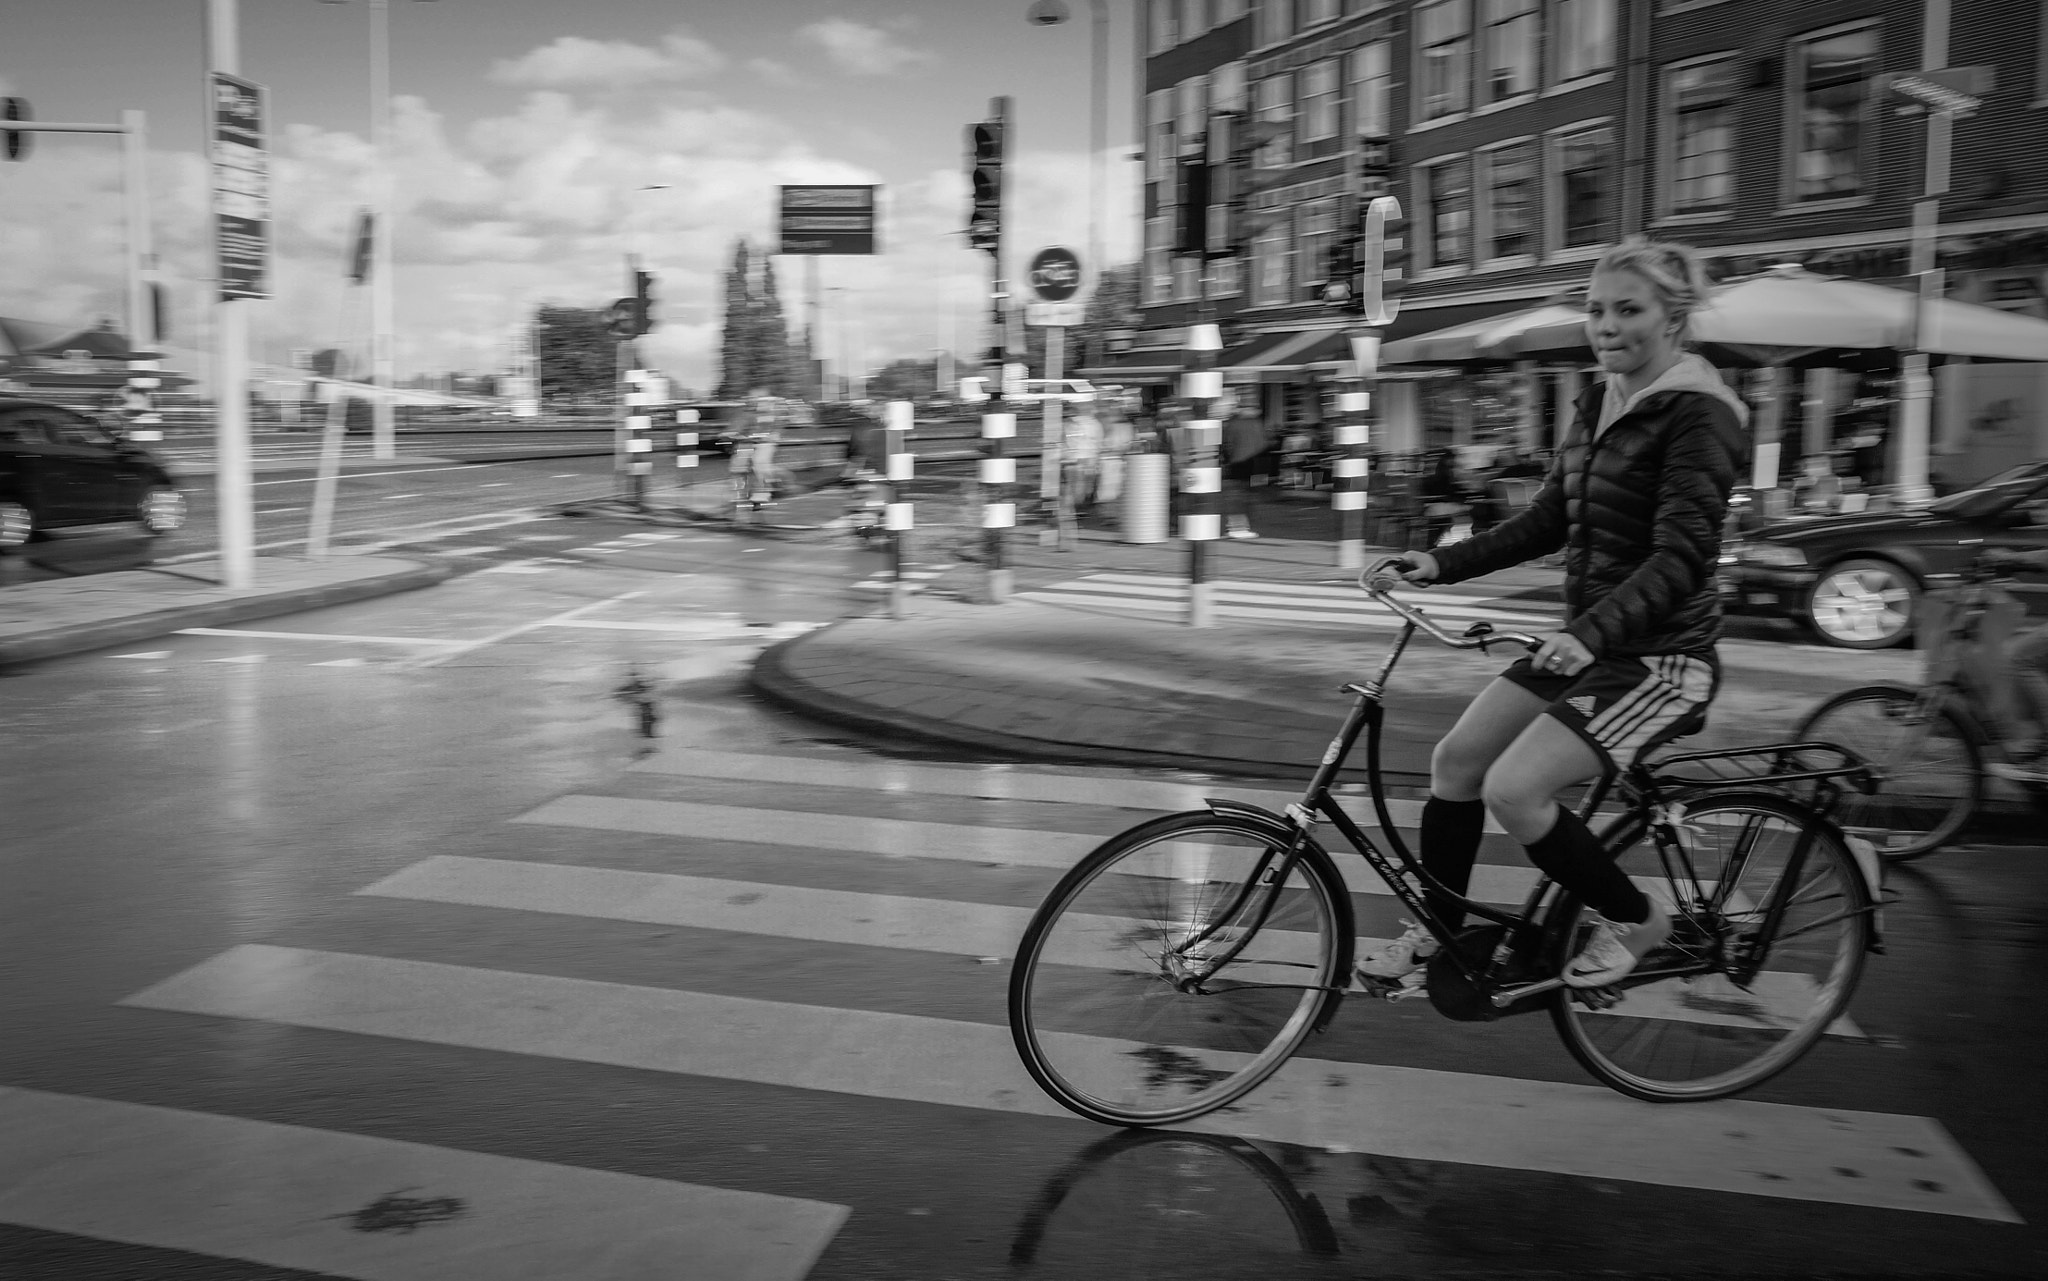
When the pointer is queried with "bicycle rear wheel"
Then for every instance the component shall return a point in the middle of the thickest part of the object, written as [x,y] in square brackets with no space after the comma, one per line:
[1101,1008]
[1930,770]
[1735,997]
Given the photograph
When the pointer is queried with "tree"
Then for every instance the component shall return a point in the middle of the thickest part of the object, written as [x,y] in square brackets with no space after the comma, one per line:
[738,372]
[576,353]
[1113,305]
[904,380]
[774,364]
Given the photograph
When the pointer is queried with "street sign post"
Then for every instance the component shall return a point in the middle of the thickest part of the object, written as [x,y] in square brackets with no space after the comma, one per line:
[828,220]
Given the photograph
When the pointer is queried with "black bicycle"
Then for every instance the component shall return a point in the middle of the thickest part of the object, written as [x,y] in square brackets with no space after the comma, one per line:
[1183,962]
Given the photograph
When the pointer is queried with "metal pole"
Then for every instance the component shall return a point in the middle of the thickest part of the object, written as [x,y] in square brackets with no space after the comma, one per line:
[814,341]
[231,362]
[383,371]
[1098,131]
[1916,385]
[998,473]
[135,204]
[1053,495]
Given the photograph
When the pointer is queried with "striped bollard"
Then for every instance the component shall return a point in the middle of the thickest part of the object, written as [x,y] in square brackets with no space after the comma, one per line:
[139,401]
[638,442]
[687,438]
[996,472]
[899,417]
[1351,435]
[1201,518]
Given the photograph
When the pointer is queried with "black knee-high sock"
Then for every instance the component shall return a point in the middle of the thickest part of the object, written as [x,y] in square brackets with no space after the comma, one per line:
[1450,845]
[1571,855]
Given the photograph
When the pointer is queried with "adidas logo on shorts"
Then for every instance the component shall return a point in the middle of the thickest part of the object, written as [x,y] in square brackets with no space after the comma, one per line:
[1583,704]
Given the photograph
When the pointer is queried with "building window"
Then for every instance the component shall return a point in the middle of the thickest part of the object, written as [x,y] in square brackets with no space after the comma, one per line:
[1276,21]
[1165,24]
[1270,251]
[1372,90]
[1191,111]
[1187,279]
[1584,37]
[1319,101]
[1831,78]
[1157,285]
[1585,182]
[1274,104]
[1224,277]
[1511,201]
[1446,189]
[1318,230]
[1227,11]
[1444,52]
[1700,130]
[1159,136]
[1226,87]
[1314,13]
[1510,49]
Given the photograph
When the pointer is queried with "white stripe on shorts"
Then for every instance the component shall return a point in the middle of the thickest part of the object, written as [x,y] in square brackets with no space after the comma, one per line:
[1677,684]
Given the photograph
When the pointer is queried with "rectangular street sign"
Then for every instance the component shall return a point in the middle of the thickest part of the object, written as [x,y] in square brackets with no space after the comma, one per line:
[241,186]
[1067,314]
[837,219]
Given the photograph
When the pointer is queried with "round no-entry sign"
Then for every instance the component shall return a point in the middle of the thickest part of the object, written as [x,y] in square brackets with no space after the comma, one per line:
[1055,274]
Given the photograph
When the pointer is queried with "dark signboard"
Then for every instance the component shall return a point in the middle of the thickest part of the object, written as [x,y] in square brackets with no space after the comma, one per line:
[828,220]
[241,186]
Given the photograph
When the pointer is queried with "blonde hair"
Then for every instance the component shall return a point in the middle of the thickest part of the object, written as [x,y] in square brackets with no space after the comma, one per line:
[1674,271]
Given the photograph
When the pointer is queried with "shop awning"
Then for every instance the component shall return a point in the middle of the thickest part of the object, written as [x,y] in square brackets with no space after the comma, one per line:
[1154,366]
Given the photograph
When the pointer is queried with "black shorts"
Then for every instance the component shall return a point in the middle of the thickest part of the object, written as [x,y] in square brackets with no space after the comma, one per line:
[1624,706]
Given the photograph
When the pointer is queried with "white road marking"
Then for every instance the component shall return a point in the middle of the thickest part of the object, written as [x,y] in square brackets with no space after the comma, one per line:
[364,475]
[318,636]
[242,658]
[492,520]
[1810,1154]
[340,662]
[494,484]
[435,660]
[323,1201]
[154,653]
[388,497]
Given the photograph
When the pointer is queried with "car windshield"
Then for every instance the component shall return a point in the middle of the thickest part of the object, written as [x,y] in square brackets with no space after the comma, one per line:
[2001,491]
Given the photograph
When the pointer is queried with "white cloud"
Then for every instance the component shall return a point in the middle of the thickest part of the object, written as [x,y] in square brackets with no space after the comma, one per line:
[775,73]
[860,49]
[572,62]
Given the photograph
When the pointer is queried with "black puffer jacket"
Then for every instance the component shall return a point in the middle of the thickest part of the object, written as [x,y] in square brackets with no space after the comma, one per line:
[1638,513]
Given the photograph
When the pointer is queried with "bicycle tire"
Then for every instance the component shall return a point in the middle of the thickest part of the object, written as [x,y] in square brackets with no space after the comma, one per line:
[1688,1037]
[1929,767]
[1094,1008]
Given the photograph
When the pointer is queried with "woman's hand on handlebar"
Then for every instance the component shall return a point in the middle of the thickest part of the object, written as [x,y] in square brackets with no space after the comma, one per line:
[1417,569]
[1562,655]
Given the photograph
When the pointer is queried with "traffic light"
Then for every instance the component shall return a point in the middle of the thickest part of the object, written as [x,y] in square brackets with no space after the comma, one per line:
[13,143]
[985,177]
[643,302]
[1191,220]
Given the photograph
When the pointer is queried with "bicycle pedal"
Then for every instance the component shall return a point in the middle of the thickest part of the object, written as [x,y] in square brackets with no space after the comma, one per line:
[1401,989]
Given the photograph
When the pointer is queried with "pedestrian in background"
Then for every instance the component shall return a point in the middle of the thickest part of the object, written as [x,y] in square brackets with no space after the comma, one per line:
[1443,498]
[1245,445]
[1116,443]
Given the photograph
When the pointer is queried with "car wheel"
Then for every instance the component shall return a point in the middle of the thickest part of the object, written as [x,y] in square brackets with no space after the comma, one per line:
[17,523]
[161,510]
[1864,604]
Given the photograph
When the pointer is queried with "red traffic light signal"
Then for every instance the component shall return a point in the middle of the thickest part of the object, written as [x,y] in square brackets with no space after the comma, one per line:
[13,142]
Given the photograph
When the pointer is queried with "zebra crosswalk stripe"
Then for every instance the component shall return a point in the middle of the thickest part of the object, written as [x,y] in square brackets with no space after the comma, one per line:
[1279,602]
[378,1209]
[1731,1145]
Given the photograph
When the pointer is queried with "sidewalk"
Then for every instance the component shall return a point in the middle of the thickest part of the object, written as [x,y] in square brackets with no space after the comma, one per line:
[53,617]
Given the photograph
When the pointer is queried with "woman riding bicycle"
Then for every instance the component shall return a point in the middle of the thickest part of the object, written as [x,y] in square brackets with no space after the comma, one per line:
[1634,499]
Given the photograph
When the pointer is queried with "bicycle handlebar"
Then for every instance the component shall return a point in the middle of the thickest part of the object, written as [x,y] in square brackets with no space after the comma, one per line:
[1376,581]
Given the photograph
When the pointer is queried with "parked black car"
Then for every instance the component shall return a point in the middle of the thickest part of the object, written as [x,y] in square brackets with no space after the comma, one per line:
[1856,580]
[60,468]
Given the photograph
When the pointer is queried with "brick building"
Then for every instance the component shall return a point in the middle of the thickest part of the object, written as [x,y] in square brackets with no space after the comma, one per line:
[1524,136]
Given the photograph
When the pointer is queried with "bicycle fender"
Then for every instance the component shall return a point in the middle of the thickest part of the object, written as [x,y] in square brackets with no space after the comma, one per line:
[1312,851]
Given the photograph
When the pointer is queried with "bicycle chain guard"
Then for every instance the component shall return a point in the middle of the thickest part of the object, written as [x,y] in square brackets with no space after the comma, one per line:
[1458,996]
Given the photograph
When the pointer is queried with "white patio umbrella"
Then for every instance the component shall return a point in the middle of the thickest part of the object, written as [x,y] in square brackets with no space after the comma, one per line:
[1789,315]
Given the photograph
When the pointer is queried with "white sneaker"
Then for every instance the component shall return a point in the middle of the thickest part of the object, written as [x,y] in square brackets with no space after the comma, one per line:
[1242,533]
[1403,956]
[1615,948]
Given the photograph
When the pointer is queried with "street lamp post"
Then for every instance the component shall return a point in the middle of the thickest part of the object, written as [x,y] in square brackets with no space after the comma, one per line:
[1047,13]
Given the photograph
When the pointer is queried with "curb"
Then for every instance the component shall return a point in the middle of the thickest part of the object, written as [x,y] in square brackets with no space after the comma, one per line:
[771,679]
[79,638]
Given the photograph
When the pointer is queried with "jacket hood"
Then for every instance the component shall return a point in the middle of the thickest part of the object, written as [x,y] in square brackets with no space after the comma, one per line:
[1691,373]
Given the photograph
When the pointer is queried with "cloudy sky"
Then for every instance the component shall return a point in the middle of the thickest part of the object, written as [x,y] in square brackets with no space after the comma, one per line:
[522,132]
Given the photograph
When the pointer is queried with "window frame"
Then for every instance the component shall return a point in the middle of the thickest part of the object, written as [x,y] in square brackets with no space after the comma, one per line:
[1155,276]
[1418,107]
[1554,181]
[1310,102]
[1485,226]
[1306,11]
[1163,29]
[1279,233]
[1668,119]
[1562,47]
[1380,87]
[1792,104]
[1273,22]
[1489,31]
[1278,152]
[1160,148]
[1313,242]
[1422,235]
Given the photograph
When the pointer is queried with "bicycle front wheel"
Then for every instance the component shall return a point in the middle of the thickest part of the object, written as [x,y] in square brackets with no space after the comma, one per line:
[1177,966]
[1930,770]
[1771,917]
